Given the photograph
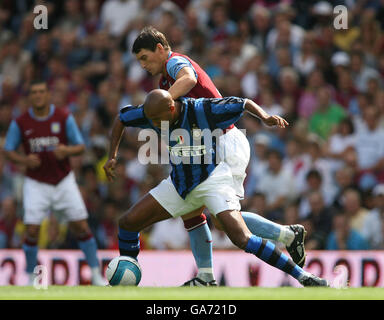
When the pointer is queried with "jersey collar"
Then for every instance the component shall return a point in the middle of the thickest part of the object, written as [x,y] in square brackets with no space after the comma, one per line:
[51,111]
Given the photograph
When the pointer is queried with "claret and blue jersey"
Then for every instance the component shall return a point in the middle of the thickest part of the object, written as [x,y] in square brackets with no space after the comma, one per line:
[192,139]
[41,136]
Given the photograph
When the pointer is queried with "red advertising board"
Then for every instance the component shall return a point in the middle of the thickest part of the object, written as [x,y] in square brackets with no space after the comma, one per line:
[173,268]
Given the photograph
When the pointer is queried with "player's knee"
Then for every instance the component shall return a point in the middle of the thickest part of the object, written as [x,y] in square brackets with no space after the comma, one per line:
[80,229]
[32,233]
[240,240]
[127,222]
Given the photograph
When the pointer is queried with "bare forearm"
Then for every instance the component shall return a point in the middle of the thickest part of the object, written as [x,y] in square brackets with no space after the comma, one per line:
[255,109]
[116,135]
[75,150]
[182,86]
[16,157]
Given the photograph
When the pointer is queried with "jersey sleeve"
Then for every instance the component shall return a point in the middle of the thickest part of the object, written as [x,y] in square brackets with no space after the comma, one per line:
[223,112]
[133,116]
[13,138]
[73,132]
[175,64]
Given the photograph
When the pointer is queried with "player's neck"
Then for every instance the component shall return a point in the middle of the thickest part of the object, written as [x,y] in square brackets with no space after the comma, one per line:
[41,112]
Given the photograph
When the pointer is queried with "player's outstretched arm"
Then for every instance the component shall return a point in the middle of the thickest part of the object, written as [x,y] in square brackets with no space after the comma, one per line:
[116,136]
[260,113]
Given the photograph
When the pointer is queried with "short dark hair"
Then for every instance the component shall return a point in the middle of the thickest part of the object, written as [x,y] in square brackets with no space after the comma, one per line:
[37,81]
[313,173]
[148,38]
[276,153]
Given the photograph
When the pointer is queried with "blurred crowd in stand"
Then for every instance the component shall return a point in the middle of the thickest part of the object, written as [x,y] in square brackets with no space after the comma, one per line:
[325,171]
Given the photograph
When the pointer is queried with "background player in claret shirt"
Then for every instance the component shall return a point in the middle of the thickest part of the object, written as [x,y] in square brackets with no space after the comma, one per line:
[183,77]
[49,137]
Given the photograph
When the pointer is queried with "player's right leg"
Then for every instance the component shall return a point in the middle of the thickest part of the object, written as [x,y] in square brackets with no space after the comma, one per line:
[236,229]
[142,214]
[30,249]
[36,203]
[235,152]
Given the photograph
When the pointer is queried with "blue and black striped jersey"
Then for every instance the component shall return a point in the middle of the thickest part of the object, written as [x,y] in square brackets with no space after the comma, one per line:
[192,140]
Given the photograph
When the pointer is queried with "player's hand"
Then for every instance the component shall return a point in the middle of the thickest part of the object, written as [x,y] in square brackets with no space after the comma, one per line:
[109,169]
[60,152]
[33,161]
[276,121]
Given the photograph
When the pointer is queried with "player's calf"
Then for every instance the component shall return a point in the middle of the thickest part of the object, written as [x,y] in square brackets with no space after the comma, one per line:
[143,214]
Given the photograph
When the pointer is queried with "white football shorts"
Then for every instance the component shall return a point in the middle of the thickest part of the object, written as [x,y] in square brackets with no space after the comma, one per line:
[40,199]
[234,150]
[217,193]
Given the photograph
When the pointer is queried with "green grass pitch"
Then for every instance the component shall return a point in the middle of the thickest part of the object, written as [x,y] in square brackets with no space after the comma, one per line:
[187,293]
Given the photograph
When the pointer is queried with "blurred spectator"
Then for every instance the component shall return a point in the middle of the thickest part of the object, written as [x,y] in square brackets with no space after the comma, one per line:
[92,22]
[284,31]
[6,180]
[261,21]
[307,102]
[169,235]
[344,179]
[291,214]
[345,89]
[361,73]
[258,164]
[256,203]
[107,228]
[13,59]
[340,142]
[305,60]
[327,115]
[369,149]
[295,158]
[9,238]
[314,183]
[289,84]
[220,24]
[377,214]
[366,222]
[320,220]
[277,185]
[117,14]
[250,79]
[343,236]
[315,160]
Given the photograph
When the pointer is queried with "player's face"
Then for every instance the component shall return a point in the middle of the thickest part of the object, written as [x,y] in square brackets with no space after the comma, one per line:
[39,95]
[151,61]
[161,116]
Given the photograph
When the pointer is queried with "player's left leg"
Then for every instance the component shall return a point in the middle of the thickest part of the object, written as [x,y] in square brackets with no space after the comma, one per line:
[88,245]
[236,229]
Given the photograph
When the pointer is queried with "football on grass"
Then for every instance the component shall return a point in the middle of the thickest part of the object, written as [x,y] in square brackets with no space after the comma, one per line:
[123,271]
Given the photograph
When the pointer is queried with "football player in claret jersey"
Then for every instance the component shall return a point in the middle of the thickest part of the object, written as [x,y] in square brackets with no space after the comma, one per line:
[49,136]
[183,77]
